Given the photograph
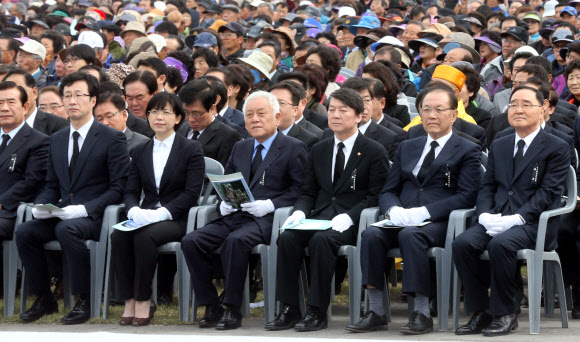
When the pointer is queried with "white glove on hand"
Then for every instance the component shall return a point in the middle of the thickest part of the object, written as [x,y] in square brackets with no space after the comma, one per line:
[295,218]
[503,224]
[417,215]
[259,208]
[399,216]
[226,209]
[341,222]
[138,216]
[41,214]
[486,219]
[72,212]
[159,214]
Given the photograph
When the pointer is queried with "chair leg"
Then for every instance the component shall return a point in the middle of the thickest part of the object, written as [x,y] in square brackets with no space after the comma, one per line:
[67,292]
[303,289]
[456,298]
[387,301]
[154,286]
[97,279]
[548,280]
[443,282]
[183,285]
[354,288]
[246,297]
[10,255]
[561,293]
[23,292]
[534,294]
[269,296]
[107,284]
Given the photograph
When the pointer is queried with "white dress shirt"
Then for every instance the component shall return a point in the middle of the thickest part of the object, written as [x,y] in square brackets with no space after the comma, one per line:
[31,118]
[527,140]
[347,149]
[190,133]
[363,128]
[441,141]
[83,131]
[285,132]
[161,150]
[298,120]
[223,111]
[12,133]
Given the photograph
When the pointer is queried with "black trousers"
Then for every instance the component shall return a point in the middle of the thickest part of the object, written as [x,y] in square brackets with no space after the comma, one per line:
[499,273]
[72,234]
[134,256]
[237,234]
[323,248]
[568,248]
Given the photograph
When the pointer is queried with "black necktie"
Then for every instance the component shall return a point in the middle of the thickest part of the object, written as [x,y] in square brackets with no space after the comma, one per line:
[519,154]
[257,160]
[339,164]
[195,135]
[5,138]
[429,158]
[75,154]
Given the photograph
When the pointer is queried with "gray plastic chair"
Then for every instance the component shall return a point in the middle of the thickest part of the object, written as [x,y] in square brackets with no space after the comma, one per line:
[10,262]
[97,251]
[535,260]
[212,167]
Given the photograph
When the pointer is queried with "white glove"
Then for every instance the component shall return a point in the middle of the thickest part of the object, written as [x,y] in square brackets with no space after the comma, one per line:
[41,214]
[398,216]
[341,222]
[295,218]
[486,219]
[138,215]
[503,224]
[258,208]
[72,212]
[226,209]
[417,215]
[159,214]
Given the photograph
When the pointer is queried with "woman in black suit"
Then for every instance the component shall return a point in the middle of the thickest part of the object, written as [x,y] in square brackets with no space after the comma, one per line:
[169,169]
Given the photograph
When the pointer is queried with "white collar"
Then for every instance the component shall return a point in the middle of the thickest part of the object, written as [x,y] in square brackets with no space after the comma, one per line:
[527,140]
[167,142]
[441,141]
[223,111]
[84,130]
[13,132]
[349,142]
[363,128]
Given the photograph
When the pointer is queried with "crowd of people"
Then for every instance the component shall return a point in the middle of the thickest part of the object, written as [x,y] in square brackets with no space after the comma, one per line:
[416,107]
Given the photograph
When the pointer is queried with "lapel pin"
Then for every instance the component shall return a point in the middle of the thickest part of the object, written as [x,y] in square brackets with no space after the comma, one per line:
[358,154]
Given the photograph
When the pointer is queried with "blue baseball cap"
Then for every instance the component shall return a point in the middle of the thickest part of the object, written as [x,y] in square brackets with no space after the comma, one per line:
[369,22]
[350,25]
[312,23]
[570,10]
[205,40]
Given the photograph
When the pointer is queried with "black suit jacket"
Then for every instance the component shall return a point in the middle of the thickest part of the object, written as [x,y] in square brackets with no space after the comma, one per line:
[180,184]
[482,117]
[48,123]
[278,178]
[241,130]
[534,187]
[134,139]
[235,116]
[398,112]
[100,175]
[139,125]
[452,182]
[217,140]
[310,127]
[303,135]
[319,120]
[22,169]
[385,122]
[358,188]
[461,125]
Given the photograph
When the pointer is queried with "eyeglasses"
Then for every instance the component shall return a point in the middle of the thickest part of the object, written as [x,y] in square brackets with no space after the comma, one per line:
[195,115]
[439,110]
[160,112]
[222,35]
[6,50]
[68,97]
[368,100]
[53,106]
[284,103]
[108,116]
[510,41]
[524,106]
[70,60]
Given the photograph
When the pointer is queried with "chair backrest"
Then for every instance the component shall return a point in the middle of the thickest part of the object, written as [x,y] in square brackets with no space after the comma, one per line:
[213,167]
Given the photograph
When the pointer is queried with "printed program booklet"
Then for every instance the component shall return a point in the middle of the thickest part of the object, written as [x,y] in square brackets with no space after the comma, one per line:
[130,225]
[309,225]
[387,223]
[232,189]
[44,207]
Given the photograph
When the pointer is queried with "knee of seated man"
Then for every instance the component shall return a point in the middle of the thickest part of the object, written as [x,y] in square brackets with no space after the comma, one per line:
[500,244]
[65,229]
[371,233]
[408,234]
[24,231]
[321,238]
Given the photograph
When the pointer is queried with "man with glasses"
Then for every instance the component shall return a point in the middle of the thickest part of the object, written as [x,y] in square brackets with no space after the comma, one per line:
[561,38]
[525,176]
[216,138]
[110,111]
[512,39]
[232,35]
[87,171]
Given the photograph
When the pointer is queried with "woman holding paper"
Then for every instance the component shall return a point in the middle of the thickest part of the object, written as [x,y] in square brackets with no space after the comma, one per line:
[169,169]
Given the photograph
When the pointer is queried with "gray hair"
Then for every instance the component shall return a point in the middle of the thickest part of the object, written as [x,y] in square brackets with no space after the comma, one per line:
[263,95]
[267,4]
[37,57]
[21,7]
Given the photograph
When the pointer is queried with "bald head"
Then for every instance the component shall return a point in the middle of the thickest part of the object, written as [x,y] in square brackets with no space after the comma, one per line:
[456,55]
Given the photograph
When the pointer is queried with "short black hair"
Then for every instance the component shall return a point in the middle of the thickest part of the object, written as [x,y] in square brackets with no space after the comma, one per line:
[208,55]
[535,70]
[573,65]
[417,10]
[349,98]
[330,59]
[84,52]
[145,77]
[472,81]
[539,95]
[90,80]
[295,75]
[198,90]
[297,93]
[224,71]
[328,35]
[275,45]
[179,41]
[167,27]
[58,42]
[162,99]
[13,44]
[395,55]
[155,63]
[543,87]
[102,74]
[28,78]
[11,85]
[219,88]
[541,61]
[358,84]
[241,77]
[524,55]
[174,79]
[113,98]
[110,87]
[437,86]
[377,88]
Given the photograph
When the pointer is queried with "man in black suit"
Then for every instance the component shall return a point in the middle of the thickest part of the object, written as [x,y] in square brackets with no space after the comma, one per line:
[227,112]
[318,120]
[216,138]
[431,176]
[221,103]
[87,170]
[344,176]
[524,176]
[289,95]
[23,155]
[273,166]
[110,110]
[43,122]
[379,102]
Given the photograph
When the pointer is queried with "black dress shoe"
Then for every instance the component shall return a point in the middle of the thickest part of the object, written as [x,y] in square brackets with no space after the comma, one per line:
[79,314]
[231,319]
[576,312]
[212,316]
[313,320]
[501,325]
[41,306]
[478,322]
[287,319]
[418,324]
[370,322]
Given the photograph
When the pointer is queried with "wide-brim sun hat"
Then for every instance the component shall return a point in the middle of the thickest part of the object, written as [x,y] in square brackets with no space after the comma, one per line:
[260,61]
